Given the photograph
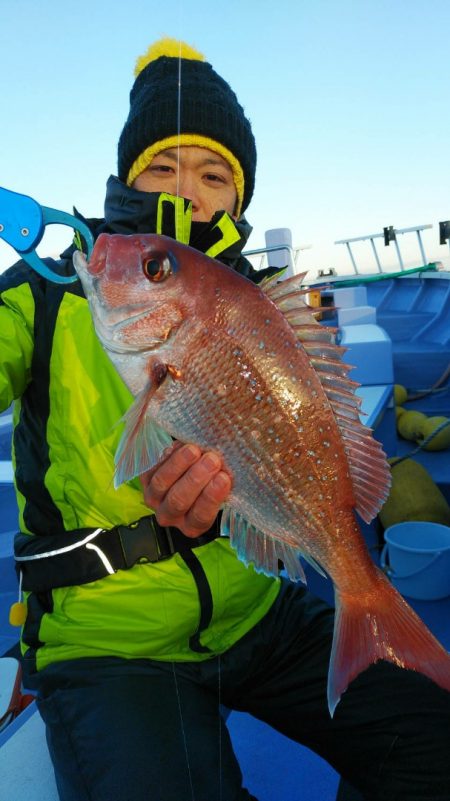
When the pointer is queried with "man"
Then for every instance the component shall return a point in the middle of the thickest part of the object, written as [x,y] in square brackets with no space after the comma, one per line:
[135,636]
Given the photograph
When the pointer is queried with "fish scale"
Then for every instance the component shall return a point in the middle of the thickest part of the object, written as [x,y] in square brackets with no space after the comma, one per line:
[233,441]
[248,372]
[212,426]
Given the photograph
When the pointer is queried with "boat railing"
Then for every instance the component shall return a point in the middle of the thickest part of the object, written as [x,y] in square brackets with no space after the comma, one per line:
[391,234]
[444,233]
[279,251]
[291,258]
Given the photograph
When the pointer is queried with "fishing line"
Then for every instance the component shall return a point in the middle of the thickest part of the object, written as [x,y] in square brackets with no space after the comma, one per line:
[178,698]
[219,683]
[174,672]
[179,118]
[183,730]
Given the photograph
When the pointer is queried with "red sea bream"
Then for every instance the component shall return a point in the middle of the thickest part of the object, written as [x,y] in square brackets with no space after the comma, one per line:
[247,371]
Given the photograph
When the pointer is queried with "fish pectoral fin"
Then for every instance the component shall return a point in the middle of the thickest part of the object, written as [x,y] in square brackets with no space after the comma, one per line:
[263,551]
[143,440]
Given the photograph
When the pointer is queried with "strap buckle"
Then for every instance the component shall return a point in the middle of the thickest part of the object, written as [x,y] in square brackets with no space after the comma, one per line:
[144,541]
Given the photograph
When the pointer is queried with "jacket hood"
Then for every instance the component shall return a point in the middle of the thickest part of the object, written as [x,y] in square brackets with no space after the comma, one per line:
[129,211]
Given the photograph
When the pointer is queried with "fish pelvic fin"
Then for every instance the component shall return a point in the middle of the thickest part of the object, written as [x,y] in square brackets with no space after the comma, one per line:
[143,440]
[262,551]
[381,625]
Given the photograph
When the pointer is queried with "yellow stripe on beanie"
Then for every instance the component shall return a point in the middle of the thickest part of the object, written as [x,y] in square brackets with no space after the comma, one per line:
[145,159]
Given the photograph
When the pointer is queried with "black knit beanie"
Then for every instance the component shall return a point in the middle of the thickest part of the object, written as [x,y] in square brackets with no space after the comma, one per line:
[205,112]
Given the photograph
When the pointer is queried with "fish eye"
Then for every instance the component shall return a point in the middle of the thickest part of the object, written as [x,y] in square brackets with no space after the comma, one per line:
[157,269]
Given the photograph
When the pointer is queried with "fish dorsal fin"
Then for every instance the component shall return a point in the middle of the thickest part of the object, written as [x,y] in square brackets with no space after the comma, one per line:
[370,473]
[288,286]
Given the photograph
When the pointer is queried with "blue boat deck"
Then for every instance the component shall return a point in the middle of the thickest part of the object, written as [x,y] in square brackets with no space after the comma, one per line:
[414,310]
[414,350]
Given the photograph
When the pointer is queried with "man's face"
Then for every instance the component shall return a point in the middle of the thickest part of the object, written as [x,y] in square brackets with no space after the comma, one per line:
[195,173]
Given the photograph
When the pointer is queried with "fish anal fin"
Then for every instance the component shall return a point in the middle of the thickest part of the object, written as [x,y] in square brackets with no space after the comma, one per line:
[381,625]
[259,549]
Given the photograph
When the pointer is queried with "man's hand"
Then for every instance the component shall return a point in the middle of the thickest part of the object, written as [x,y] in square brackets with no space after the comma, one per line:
[187,488]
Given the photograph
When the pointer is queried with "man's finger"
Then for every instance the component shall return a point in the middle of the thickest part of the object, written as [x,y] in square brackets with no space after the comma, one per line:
[171,470]
[202,514]
[184,492]
[146,477]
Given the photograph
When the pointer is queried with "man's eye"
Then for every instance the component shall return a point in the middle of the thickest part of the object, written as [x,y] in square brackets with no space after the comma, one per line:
[160,168]
[214,178]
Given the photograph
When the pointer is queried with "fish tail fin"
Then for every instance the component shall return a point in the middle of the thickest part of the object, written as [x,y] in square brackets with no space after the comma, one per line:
[381,625]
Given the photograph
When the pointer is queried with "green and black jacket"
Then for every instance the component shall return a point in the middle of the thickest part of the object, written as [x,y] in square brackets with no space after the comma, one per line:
[68,403]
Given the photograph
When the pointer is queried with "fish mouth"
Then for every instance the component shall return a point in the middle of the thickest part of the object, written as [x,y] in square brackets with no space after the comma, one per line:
[122,348]
[81,267]
[109,335]
[110,323]
[108,328]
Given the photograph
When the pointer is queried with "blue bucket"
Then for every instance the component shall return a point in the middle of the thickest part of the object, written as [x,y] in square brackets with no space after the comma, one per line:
[416,557]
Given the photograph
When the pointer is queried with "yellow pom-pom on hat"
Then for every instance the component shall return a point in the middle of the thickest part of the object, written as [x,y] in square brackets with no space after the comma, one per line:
[171,48]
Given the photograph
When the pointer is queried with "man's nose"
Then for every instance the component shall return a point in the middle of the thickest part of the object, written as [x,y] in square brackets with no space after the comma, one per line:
[187,188]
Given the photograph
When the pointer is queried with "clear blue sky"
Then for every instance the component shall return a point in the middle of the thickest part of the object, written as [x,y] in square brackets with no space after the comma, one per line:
[348,100]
